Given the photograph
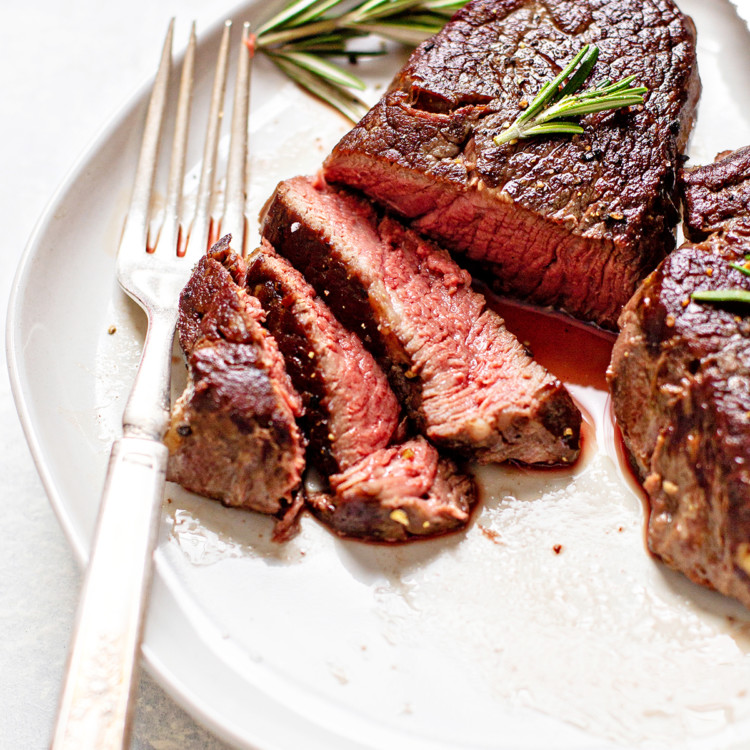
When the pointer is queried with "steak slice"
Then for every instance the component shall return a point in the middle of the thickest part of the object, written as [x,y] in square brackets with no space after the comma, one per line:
[396,494]
[379,491]
[575,223]
[233,434]
[680,380]
[467,382]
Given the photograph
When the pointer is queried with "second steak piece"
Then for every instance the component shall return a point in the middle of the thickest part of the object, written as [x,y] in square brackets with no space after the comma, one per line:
[465,379]
[571,222]
[380,491]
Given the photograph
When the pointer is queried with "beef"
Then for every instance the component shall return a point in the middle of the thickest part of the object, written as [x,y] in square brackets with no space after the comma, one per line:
[350,410]
[396,494]
[380,488]
[571,222]
[233,434]
[467,382]
[716,196]
[680,380]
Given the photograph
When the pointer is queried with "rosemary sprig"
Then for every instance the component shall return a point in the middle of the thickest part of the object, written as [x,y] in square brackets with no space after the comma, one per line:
[742,268]
[727,295]
[301,39]
[722,295]
[556,102]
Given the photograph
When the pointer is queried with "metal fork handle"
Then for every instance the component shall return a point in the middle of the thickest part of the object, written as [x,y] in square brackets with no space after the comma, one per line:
[94,708]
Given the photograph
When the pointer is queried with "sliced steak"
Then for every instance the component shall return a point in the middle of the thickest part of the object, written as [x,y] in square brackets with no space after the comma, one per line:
[233,434]
[467,382]
[398,493]
[350,410]
[380,491]
[680,380]
[575,223]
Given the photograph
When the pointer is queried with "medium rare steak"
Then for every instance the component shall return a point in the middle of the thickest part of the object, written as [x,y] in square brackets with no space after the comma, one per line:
[380,491]
[575,223]
[467,382]
[398,493]
[233,434]
[680,379]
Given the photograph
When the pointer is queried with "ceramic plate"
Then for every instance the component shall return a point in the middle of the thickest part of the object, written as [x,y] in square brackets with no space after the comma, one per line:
[546,624]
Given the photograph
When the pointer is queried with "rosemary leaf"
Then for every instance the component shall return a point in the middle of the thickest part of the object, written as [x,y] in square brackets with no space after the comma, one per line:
[315,11]
[339,98]
[301,37]
[584,71]
[406,33]
[554,128]
[287,15]
[548,92]
[741,268]
[444,7]
[722,295]
[550,111]
[322,68]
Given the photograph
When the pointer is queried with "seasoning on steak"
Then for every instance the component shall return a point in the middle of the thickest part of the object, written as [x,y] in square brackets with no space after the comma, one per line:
[680,379]
[467,382]
[575,223]
[233,435]
[379,491]
[397,493]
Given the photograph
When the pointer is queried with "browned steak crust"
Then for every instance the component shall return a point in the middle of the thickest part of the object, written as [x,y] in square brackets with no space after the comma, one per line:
[680,379]
[233,435]
[575,223]
[465,379]
[717,194]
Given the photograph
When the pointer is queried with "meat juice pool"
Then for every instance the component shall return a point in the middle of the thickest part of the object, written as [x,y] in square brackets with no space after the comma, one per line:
[578,354]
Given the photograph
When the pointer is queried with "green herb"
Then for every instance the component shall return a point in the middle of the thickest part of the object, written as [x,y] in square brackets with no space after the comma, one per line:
[557,101]
[722,295]
[741,268]
[301,39]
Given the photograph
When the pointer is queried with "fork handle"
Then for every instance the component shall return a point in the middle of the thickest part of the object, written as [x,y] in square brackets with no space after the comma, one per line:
[94,707]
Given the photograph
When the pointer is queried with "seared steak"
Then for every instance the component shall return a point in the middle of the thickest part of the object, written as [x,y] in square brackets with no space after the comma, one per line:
[680,379]
[467,382]
[717,195]
[233,435]
[379,491]
[575,223]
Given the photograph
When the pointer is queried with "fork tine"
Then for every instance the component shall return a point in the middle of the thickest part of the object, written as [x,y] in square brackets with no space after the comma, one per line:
[135,233]
[170,231]
[233,221]
[198,235]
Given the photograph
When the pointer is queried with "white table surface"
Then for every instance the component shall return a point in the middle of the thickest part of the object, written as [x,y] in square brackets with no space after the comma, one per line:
[66,66]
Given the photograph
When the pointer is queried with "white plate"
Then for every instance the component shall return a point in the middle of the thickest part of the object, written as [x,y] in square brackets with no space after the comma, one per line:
[544,625]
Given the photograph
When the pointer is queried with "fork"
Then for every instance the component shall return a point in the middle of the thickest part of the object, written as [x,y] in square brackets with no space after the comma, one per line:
[95,706]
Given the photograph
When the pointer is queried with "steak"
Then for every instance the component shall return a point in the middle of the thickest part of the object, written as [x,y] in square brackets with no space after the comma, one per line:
[466,381]
[396,494]
[680,380]
[350,410]
[575,223]
[379,490]
[233,434]
[717,196]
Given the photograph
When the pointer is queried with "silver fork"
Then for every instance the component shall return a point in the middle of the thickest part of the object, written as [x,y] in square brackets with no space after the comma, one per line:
[95,705]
